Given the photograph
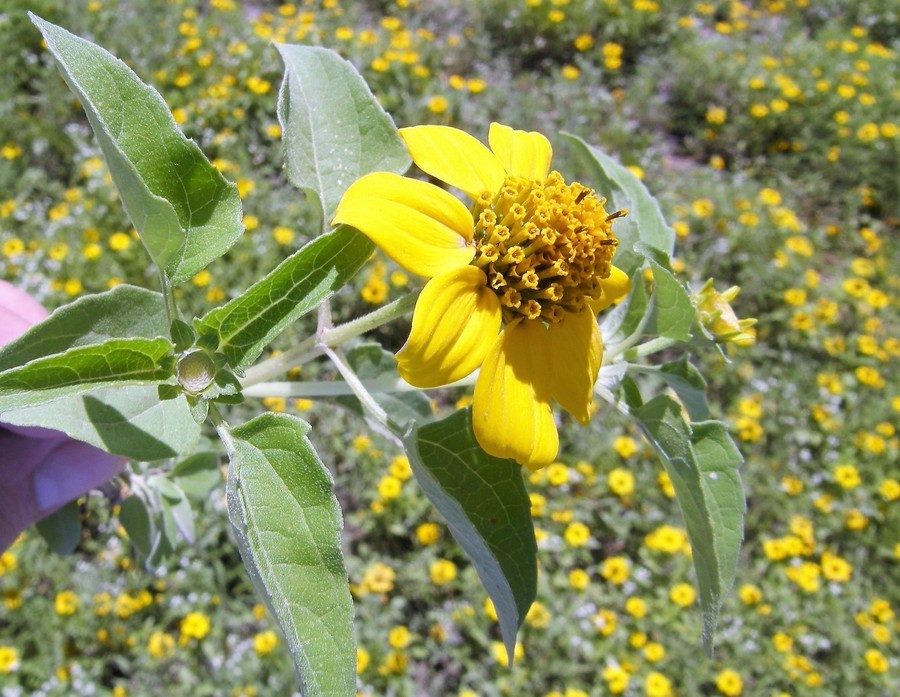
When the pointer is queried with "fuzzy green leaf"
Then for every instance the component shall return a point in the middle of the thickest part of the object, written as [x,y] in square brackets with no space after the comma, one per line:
[84,368]
[334,130]
[702,462]
[121,313]
[672,311]
[61,529]
[184,210]
[288,524]
[484,501]
[299,284]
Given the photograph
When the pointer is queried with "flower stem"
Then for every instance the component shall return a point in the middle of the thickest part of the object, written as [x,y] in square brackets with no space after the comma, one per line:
[222,429]
[660,343]
[334,336]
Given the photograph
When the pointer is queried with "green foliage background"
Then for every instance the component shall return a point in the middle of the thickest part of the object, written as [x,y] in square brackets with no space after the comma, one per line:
[768,130]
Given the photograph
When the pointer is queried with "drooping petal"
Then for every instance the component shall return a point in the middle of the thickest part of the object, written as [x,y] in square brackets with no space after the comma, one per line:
[577,351]
[523,153]
[420,226]
[457,319]
[616,287]
[511,412]
[455,157]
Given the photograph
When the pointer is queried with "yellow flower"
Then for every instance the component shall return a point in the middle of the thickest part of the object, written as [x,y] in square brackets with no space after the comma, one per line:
[658,685]
[399,637]
[579,579]
[616,570]
[621,482]
[577,535]
[66,603]
[719,319]
[532,256]
[362,660]
[729,683]
[442,572]
[379,578]
[876,661]
[683,594]
[194,626]
[617,679]
[836,568]
[264,643]
[9,660]
[498,651]
[625,446]
[160,645]
[428,534]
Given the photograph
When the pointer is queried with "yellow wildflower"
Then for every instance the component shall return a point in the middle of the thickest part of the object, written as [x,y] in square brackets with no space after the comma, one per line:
[502,263]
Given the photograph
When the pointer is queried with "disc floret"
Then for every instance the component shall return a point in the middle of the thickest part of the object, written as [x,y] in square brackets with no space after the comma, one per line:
[544,246]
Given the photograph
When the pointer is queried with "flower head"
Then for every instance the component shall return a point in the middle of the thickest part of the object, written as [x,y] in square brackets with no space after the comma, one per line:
[515,282]
[719,319]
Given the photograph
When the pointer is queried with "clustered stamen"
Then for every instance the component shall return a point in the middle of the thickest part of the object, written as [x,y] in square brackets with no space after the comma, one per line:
[544,246]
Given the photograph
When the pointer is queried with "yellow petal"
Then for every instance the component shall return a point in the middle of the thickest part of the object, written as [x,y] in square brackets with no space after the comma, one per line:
[420,226]
[511,412]
[577,351]
[523,153]
[455,157]
[456,320]
[615,288]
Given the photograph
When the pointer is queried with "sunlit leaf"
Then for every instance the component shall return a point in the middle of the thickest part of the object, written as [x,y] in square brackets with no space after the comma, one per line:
[299,284]
[288,522]
[334,130]
[484,501]
[702,462]
[184,210]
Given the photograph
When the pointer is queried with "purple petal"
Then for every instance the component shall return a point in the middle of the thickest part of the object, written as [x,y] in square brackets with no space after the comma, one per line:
[18,312]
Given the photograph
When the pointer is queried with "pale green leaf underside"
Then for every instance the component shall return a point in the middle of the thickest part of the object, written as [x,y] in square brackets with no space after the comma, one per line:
[288,522]
[124,420]
[672,311]
[82,369]
[334,130]
[702,463]
[484,501]
[127,420]
[299,284]
[644,222]
[184,210]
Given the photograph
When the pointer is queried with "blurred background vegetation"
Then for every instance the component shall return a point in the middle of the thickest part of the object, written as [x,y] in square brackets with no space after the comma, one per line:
[769,132]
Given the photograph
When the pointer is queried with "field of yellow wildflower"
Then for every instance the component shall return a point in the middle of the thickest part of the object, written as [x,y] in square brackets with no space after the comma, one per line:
[768,130]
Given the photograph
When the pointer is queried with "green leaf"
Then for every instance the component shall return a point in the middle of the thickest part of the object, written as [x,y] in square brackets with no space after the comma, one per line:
[81,369]
[623,189]
[299,284]
[185,211]
[377,366]
[288,523]
[484,501]
[672,312]
[198,474]
[124,312]
[61,529]
[135,518]
[689,385]
[703,465]
[334,130]
[628,317]
[127,420]
[175,508]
